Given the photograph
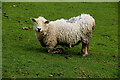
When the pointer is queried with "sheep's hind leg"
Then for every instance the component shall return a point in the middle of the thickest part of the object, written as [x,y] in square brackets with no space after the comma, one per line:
[83,47]
[86,46]
[82,50]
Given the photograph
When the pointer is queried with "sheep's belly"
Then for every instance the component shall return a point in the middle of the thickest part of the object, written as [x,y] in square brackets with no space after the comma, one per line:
[68,44]
[69,39]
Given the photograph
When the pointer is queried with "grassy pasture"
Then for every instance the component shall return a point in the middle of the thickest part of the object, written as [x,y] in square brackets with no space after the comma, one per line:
[24,57]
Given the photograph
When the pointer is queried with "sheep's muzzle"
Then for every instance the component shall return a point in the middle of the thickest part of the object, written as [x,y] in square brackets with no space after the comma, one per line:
[38,29]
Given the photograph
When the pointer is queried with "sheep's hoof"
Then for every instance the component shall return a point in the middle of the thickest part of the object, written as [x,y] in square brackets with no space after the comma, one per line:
[57,51]
[49,50]
[85,55]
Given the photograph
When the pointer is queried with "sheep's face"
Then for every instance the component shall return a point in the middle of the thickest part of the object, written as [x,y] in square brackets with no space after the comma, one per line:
[40,24]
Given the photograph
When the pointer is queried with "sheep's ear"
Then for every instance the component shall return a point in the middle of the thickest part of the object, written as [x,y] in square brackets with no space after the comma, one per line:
[46,22]
[33,19]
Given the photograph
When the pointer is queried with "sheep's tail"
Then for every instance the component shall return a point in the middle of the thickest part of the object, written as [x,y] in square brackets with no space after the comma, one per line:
[93,25]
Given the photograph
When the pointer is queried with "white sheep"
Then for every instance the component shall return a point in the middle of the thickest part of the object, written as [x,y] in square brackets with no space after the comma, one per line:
[65,32]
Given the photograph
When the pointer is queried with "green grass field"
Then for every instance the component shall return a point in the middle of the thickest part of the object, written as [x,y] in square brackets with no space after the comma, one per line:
[24,57]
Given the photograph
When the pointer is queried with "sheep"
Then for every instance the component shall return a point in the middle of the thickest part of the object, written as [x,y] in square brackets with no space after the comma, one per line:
[65,32]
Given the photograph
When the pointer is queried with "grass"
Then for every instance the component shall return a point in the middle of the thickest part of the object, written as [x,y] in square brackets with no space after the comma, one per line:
[24,57]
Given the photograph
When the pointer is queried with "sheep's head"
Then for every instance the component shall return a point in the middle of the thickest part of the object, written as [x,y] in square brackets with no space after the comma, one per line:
[40,24]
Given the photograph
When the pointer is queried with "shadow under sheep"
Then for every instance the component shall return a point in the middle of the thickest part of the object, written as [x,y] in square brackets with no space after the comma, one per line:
[66,52]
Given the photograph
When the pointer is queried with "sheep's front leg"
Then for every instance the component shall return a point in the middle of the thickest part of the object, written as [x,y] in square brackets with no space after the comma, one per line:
[55,51]
[52,42]
[50,49]
[51,46]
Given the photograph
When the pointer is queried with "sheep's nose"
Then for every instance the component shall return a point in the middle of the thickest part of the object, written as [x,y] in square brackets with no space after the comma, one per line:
[39,29]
